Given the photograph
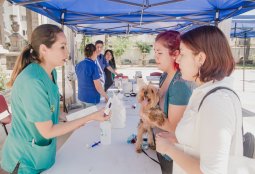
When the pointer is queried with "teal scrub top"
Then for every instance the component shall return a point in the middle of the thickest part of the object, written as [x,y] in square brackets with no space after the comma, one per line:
[34,98]
[178,93]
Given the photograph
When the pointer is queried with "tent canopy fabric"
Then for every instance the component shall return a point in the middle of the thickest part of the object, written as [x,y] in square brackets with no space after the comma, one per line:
[94,17]
[243,26]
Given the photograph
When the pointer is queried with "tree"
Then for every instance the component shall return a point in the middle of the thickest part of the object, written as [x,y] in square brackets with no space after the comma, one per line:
[85,40]
[2,79]
[119,45]
[145,49]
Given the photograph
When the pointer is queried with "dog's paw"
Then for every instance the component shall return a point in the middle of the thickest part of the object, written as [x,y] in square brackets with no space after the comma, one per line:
[152,146]
[138,150]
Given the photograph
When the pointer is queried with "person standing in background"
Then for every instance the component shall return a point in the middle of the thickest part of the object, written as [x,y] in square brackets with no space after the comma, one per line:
[102,63]
[89,85]
[108,74]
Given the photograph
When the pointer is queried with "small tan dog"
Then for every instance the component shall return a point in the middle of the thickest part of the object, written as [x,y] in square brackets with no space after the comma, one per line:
[149,96]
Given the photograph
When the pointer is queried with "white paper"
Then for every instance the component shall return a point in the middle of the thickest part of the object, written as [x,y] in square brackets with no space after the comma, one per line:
[81,113]
[4,114]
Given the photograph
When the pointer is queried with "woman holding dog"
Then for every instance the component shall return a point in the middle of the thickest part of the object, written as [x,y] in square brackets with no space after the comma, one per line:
[174,91]
[206,136]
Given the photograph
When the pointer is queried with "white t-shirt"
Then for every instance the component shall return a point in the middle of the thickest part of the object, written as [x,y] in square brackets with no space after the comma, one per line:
[215,132]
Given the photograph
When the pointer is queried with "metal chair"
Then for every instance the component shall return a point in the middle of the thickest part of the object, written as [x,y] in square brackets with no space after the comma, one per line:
[3,109]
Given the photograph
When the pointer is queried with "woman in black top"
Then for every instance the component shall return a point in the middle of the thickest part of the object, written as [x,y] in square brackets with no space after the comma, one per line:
[108,74]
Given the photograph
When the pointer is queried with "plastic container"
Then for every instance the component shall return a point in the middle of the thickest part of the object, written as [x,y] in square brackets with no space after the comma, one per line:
[105,133]
[145,144]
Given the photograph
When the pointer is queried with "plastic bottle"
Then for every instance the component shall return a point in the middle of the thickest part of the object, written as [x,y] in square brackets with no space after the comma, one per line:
[105,132]
[120,83]
[145,144]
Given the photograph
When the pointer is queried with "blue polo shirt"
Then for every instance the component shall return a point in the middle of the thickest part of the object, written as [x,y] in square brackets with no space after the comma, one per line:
[103,63]
[87,72]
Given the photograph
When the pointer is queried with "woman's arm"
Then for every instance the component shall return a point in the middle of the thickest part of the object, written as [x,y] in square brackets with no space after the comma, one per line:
[112,70]
[187,162]
[100,89]
[48,130]
[175,113]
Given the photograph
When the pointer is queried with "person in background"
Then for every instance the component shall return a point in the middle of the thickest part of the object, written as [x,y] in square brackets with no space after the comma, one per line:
[102,63]
[205,138]
[108,74]
[30,146]
[174,91]
[89,85]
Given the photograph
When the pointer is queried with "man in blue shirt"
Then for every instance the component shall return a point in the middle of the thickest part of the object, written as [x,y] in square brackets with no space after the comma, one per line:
[102,63]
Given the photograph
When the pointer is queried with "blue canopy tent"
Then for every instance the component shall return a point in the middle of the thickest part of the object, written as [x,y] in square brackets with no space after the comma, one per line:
[243,26]
[135,16]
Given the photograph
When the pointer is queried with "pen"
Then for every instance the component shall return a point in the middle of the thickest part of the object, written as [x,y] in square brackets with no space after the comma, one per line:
[95,144]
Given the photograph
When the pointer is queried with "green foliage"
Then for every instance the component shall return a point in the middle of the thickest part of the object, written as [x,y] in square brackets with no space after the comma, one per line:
[2,79]
[85,40]
[144,47]
[119,45]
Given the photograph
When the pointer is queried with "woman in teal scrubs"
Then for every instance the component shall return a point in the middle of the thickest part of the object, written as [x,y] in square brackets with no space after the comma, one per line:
[31,144]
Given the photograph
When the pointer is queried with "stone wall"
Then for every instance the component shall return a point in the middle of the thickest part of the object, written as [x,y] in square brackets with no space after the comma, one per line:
[7,62]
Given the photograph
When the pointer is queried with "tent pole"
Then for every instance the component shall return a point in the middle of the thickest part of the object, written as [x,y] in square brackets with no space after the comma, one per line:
[245,36]
[216,22]
[72,54]
[63,70]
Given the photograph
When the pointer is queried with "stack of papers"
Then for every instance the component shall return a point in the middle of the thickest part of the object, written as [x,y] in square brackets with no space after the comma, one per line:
[4,114]
[81,113]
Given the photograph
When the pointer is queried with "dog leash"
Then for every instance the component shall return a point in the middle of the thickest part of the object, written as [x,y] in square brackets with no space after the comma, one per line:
[150,157]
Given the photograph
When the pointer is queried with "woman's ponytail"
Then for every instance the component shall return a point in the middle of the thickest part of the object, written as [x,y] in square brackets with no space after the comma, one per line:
[25,58]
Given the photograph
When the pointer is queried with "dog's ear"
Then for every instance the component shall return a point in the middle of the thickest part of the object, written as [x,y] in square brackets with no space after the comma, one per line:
[140,96]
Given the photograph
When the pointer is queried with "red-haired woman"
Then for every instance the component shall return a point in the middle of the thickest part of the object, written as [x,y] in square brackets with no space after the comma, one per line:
[174,91]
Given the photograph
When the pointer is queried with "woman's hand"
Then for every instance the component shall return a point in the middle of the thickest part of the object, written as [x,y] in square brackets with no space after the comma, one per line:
[106,98]
[163,144]
[100,115]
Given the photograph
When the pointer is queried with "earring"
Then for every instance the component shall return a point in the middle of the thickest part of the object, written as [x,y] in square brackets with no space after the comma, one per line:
[199,73]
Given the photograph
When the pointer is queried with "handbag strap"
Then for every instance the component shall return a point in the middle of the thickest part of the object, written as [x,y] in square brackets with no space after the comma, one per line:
[150,157]
[214,90]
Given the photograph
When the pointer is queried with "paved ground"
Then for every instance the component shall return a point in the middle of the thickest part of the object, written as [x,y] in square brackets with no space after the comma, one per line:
[247,97]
